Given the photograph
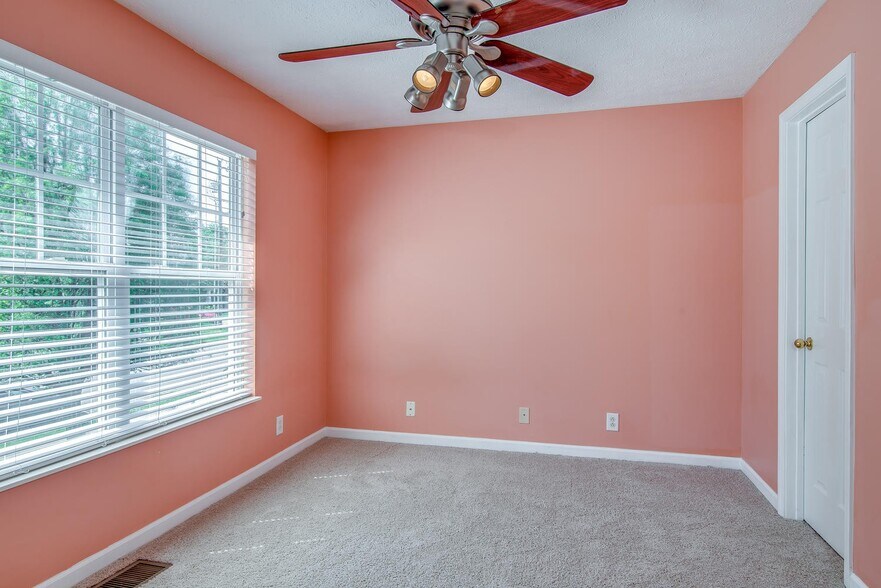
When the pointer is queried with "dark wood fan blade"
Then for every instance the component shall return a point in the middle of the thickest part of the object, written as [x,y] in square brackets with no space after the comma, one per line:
[517,16]
[342,51]
[416,8]
[539,70]
[437,98]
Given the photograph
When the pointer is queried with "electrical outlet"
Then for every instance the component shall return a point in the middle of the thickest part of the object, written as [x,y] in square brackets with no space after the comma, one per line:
[612,421]
[524,415]
[411,409]
[279,425]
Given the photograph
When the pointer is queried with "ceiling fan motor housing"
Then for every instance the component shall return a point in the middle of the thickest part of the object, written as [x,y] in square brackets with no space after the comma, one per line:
[461,10]
[454,44]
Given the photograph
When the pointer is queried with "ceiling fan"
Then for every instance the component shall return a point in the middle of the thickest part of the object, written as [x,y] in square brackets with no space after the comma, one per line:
[464,34]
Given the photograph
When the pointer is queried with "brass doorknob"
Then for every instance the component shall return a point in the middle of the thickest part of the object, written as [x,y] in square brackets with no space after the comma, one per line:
[804,344]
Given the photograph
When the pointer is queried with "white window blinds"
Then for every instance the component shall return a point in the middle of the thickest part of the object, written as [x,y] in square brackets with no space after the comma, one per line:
[126,273]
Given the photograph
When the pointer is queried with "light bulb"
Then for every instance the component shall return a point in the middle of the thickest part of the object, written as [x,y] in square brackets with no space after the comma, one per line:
[424,81]
[489,86]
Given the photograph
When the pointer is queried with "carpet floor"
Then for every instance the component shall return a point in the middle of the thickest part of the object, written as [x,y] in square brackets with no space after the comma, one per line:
[356,513]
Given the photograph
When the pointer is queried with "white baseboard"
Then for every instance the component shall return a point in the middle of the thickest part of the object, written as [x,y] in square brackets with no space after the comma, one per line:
[759,483]
[138,539]
[716,461]
[853,581]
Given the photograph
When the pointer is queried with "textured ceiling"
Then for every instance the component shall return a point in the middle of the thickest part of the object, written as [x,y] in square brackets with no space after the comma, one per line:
[646,52]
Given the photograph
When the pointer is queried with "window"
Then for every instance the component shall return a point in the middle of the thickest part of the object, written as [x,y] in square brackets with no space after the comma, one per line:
[126,273]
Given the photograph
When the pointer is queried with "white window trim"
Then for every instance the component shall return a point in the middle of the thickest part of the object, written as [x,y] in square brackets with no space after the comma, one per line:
[55,71]
[84,84]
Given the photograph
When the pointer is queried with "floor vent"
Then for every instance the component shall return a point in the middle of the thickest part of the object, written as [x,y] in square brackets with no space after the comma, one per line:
[134,575]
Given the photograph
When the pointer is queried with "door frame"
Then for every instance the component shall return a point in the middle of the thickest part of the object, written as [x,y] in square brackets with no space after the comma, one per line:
[837,85]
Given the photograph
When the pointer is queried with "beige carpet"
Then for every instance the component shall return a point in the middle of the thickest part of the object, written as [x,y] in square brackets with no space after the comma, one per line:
[354,513]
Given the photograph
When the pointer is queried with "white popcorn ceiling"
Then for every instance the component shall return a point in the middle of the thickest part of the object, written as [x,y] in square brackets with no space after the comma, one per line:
[646,52]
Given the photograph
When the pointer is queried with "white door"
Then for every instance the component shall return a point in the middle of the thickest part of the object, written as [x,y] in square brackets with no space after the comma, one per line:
[826,318]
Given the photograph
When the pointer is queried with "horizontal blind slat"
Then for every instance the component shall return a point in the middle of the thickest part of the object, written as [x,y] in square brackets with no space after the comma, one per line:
[10,365]
[247,328]
[21,405]
[113,421]
[153,357]
[58,381]
[121,384]
[183,386]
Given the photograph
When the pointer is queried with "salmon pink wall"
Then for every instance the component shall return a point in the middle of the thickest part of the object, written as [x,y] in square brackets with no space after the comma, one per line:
[52,523]
[841,27]
[575,264]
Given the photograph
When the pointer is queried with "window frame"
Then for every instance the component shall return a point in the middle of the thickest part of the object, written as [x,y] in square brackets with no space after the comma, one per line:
[113,313]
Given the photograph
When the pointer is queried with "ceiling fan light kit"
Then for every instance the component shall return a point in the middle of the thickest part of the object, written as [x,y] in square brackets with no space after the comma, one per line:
[464,33]
[416,98]
[457,96]
[486,80]
[427,76]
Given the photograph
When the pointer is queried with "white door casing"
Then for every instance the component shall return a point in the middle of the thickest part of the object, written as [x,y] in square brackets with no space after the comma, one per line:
[816,292]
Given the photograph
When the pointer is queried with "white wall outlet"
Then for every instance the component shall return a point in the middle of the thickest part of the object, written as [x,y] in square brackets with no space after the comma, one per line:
[411,409]
[524,415]
[279,425]
[612,421]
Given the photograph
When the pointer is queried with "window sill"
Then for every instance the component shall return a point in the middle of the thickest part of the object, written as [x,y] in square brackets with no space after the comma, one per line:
[123,444]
